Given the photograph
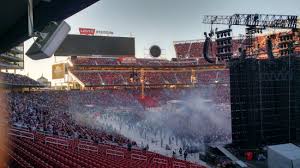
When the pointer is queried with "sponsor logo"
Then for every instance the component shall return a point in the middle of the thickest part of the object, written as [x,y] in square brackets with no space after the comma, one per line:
[87,31]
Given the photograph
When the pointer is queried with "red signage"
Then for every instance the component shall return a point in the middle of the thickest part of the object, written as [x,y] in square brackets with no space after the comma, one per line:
[127,60]
[87,31]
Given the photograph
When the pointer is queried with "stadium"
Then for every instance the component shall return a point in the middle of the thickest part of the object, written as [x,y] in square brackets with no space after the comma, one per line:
[221,101]
[113,93]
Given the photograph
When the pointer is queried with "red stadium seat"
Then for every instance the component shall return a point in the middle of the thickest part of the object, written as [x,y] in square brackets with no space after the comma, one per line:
[38,154]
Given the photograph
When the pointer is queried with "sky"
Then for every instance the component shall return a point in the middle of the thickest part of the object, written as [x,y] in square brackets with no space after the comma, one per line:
[157,22]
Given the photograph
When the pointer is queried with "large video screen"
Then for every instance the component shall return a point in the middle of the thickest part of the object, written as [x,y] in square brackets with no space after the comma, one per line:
[80,45]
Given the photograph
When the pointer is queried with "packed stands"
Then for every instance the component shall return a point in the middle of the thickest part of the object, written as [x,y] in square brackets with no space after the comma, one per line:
[148,101]
[107,61]
[49,121]
[54,112]
[113,78]
[89,78]
[169,77]
[154,78]
[217,76]
[18,80]
[47,112]
[66,119]
[89,71]
[184,77]
[95,62]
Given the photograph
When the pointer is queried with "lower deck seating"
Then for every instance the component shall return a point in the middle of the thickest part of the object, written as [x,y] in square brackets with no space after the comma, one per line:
[27,152]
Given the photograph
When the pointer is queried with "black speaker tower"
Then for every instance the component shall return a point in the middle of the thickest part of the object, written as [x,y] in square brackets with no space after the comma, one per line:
[265,101]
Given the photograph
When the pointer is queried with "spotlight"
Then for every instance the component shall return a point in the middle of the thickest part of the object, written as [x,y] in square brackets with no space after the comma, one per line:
[224,44]
[286,44]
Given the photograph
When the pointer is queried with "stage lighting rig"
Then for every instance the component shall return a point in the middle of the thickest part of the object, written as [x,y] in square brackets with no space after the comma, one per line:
[255,20]
[286,44]
[224,44]
[255,23]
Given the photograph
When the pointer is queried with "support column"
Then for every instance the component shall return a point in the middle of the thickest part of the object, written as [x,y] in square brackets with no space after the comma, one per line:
[142,80]
[193,77]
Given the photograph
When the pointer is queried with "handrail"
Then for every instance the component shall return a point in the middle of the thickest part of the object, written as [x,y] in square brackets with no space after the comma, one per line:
[135,156]
[160,161]
[87,147]
[21,133]
[196,166]
[114,153]
[177,164]
[56,141]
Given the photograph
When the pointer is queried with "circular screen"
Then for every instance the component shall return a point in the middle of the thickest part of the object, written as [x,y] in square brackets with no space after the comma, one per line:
[155,51]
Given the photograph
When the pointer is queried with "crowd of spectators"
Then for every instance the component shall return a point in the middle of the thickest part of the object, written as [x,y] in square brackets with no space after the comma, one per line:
[88,78]
[75,114]
[213,77]
[154,78]
[59,113]
[107,61]
[53,113]
[184,77]
[60,102]
[95,61]
[112,78]
[169,77]
[102,78]
[221,93]
[17,80]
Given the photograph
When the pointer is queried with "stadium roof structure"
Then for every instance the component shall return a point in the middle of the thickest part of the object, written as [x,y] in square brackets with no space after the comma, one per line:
[14,18]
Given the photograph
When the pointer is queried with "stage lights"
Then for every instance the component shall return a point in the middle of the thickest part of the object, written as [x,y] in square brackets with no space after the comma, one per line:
[224,44]
[286,44]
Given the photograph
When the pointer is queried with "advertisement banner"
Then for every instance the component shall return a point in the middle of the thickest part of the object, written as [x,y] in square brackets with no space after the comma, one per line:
[58,71]
[87,31]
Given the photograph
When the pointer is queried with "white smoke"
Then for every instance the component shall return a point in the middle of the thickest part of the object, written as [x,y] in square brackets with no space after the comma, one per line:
[188,123]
